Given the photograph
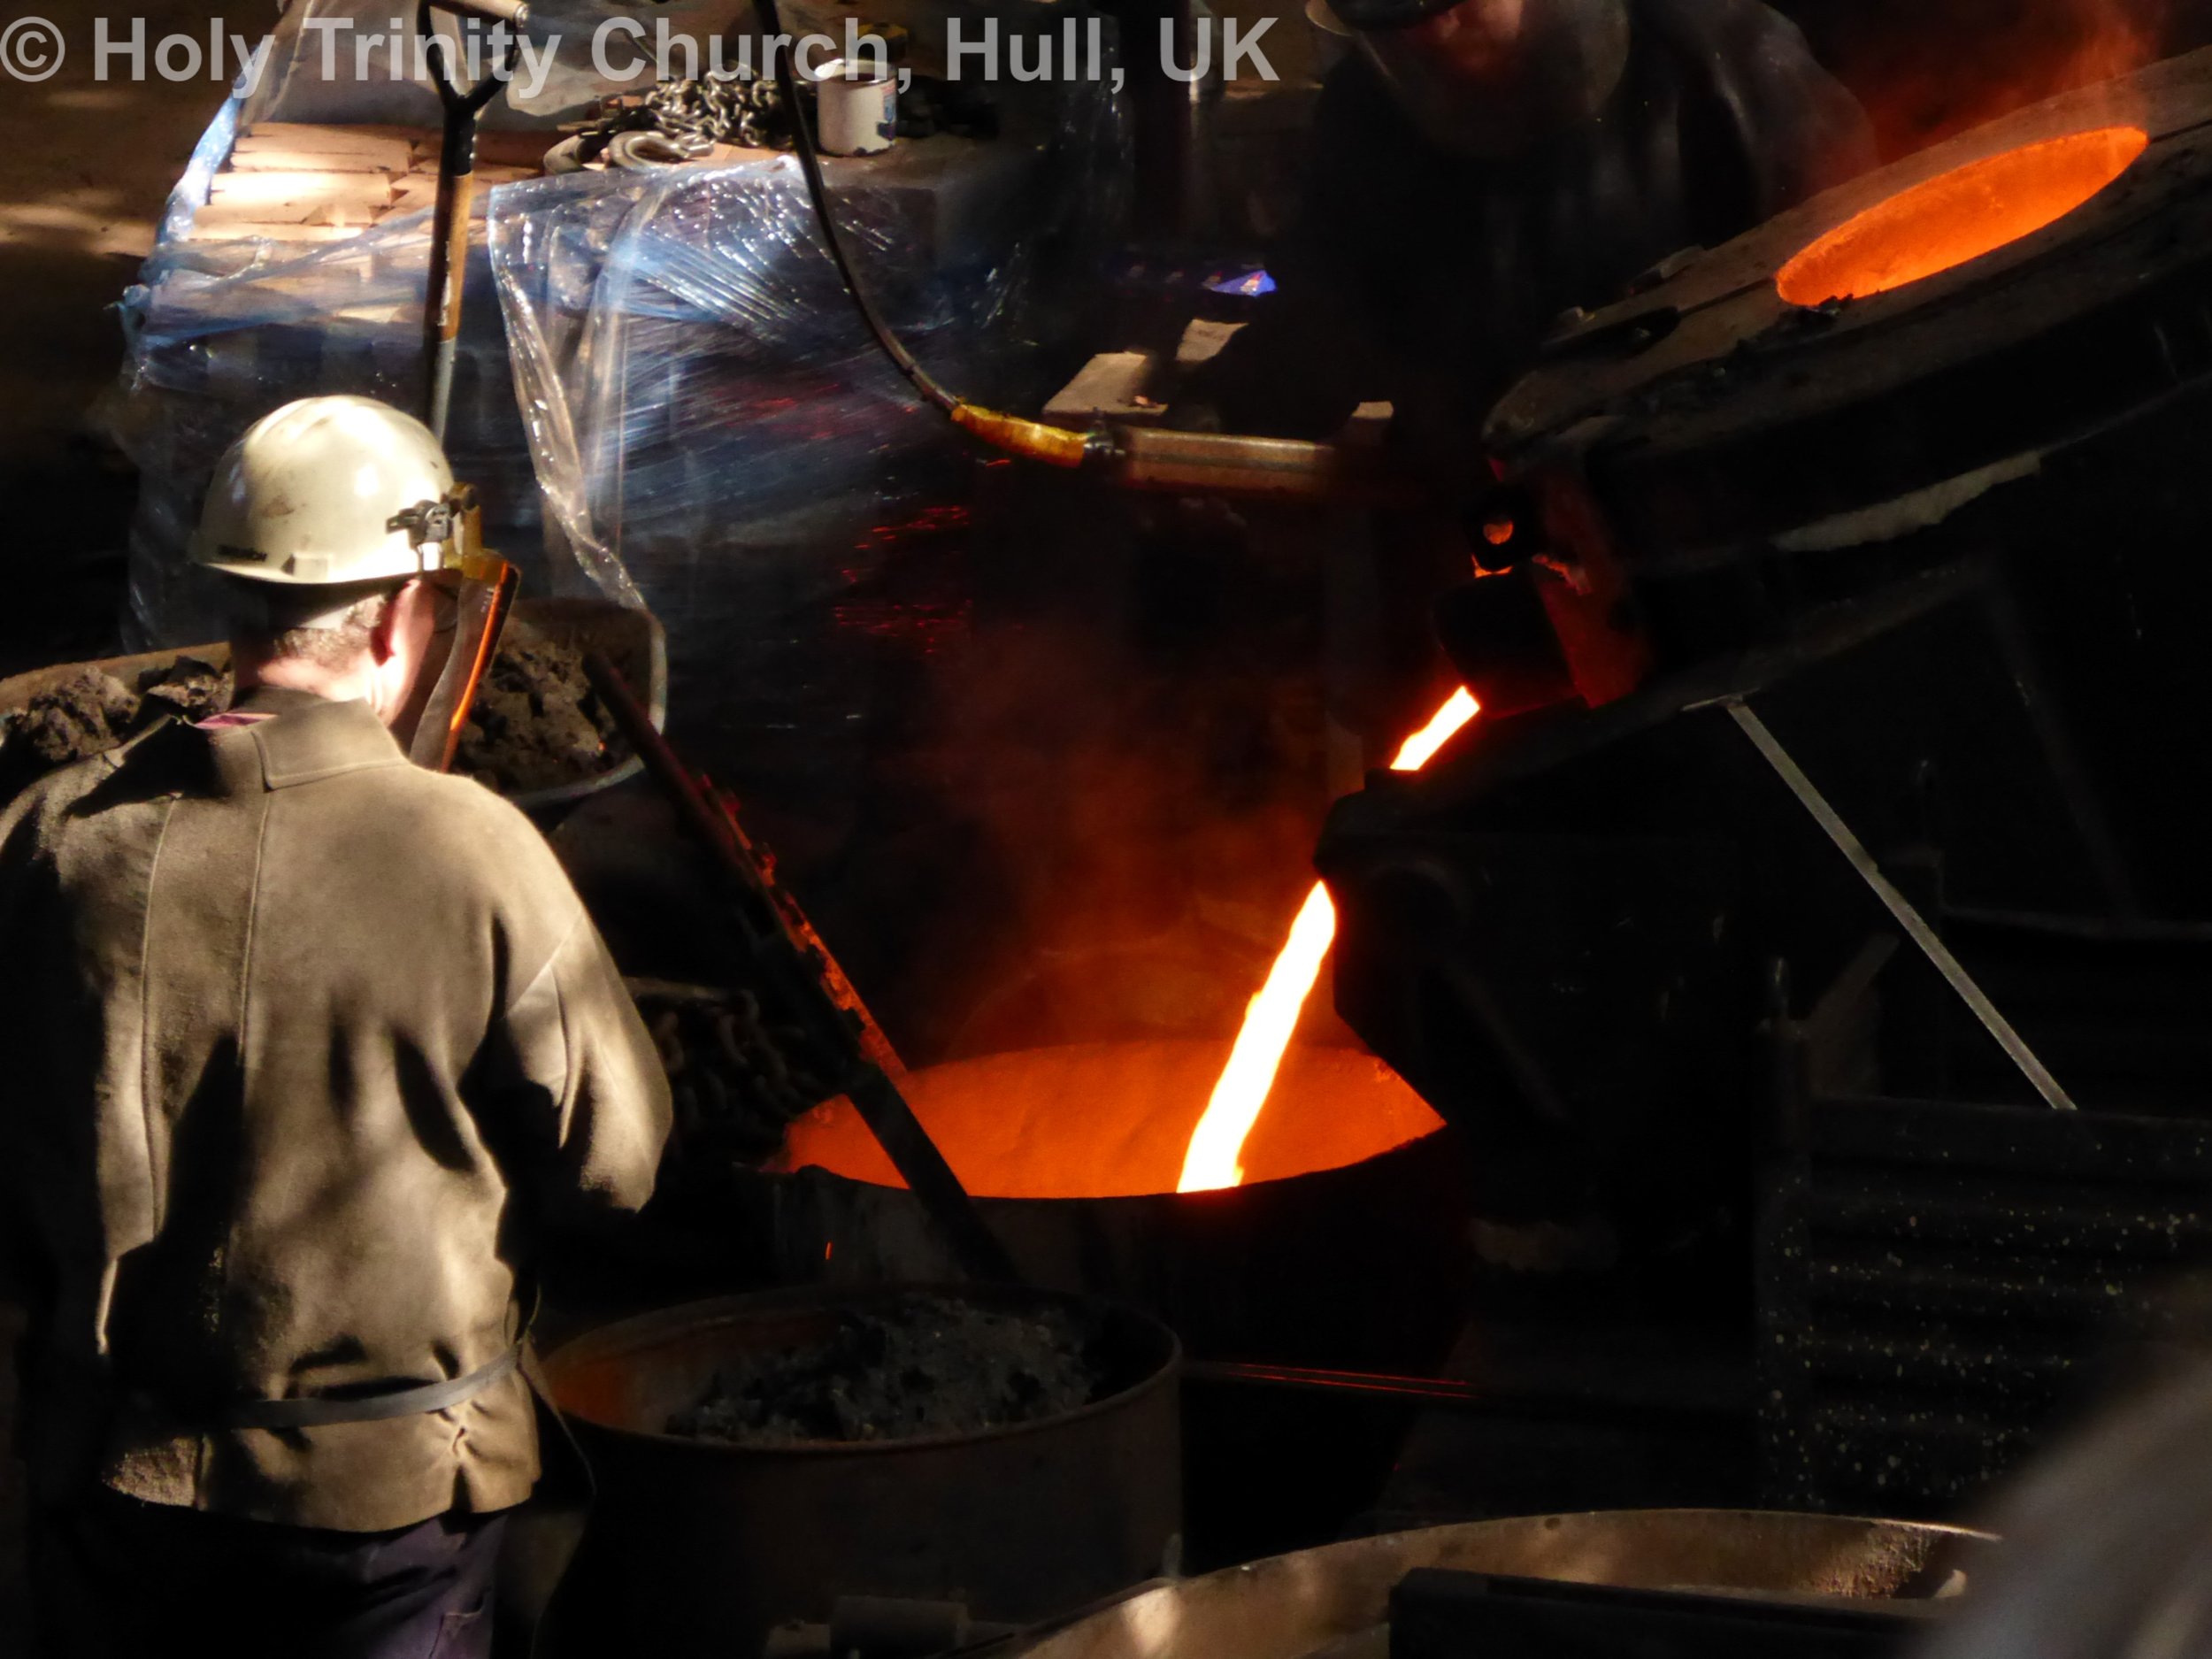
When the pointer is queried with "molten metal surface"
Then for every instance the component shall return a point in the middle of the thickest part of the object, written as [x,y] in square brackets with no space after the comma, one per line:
[1112,1120]
[1959,215]
[1214,1159]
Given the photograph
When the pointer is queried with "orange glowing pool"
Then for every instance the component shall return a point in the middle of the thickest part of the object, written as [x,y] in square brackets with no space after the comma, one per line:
[1960,215]
[1113,1120]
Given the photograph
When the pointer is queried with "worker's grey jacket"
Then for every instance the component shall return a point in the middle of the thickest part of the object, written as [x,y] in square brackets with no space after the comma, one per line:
[302,1048]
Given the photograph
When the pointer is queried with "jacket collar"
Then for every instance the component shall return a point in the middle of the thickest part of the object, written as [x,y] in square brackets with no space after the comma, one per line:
[306,739]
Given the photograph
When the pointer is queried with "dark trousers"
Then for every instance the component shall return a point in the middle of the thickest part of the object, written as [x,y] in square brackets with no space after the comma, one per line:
[116,1578]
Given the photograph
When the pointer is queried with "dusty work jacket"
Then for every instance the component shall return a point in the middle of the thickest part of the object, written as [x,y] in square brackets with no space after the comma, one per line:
[302,1049]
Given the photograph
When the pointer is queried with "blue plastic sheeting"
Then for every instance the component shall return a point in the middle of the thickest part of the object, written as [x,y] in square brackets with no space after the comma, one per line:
[695,378]
[663,393]
[716,435]
[220,332]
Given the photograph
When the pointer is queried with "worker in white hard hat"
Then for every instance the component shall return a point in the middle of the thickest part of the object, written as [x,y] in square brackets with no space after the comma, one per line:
[309,1051]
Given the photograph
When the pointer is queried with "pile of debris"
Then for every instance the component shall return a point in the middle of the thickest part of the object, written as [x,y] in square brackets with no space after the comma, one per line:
[538,723]
[738,1080]
[915,1367]
[91,711]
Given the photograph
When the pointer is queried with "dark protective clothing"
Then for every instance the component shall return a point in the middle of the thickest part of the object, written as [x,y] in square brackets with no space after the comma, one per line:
[1427,279]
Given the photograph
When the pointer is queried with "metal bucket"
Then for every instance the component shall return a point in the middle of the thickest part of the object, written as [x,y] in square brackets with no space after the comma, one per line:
[697,1547]
[1338,1598]
[1361,1266]
[1341,1255]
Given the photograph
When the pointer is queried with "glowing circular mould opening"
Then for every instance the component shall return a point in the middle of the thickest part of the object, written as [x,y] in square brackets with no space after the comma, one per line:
[1960,215]
[1113,1120]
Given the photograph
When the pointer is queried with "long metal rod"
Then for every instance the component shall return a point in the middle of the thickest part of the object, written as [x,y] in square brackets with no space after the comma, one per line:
[1809,797]
[449,261]
[457,187]
[873,1094]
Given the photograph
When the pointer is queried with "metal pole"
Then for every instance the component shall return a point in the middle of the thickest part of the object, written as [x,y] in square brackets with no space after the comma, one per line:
[449,260]
[457,187]
[1809,797]
[885,1111]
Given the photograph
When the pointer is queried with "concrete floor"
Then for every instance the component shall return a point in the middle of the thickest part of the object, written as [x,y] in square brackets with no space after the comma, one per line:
[84,169]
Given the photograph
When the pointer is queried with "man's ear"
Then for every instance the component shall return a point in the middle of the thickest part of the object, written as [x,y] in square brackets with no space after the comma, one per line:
[384,635]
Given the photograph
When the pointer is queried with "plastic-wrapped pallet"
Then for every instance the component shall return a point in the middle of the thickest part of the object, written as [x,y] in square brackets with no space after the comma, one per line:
[716,433]
[702,423]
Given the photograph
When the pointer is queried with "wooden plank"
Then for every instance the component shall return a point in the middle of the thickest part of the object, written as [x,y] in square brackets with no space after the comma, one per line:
[522,152]
[723,154]
[414,193]
[1111,384]
[304,210]
[276,186]
[356,214]
[275,160]
[252,230]
[486,174]
[1202,341]
[217,214]
[359,140]
[393,152]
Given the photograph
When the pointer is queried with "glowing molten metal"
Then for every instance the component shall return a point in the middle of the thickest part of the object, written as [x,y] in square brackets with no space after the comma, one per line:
[1111,1119]
[1217,1146]
[1960,215]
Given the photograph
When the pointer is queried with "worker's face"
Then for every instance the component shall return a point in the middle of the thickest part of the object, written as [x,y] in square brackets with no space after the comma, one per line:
[1478,39]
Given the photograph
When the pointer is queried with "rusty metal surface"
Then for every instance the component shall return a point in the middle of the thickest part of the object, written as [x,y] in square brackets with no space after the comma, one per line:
[698,1547]
[1333,1599]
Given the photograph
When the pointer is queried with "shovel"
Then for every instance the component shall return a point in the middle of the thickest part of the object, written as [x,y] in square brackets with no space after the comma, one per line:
[457,183]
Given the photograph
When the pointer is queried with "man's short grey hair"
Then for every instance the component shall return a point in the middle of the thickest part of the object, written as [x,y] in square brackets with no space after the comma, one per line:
[328,626]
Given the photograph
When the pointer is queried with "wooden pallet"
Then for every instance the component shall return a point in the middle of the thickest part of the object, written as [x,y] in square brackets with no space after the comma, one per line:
[288,182]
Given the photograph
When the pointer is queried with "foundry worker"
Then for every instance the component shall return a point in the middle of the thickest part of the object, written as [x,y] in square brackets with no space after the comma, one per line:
[1477,168]
[307,1050]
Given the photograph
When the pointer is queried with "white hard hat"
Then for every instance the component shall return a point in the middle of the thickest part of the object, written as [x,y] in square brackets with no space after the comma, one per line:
[329,490]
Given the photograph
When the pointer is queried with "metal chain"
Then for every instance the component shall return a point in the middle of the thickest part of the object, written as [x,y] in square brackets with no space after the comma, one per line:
[695,115]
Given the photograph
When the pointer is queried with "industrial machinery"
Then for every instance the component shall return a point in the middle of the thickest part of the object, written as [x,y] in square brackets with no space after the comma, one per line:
[1832,847]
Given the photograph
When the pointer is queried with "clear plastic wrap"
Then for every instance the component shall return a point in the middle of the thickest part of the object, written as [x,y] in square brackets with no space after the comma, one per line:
[663,392]
[692,373]
[715,435]
[222,332]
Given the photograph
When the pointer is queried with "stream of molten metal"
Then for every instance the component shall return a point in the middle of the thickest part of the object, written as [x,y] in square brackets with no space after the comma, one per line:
[1216,1146]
